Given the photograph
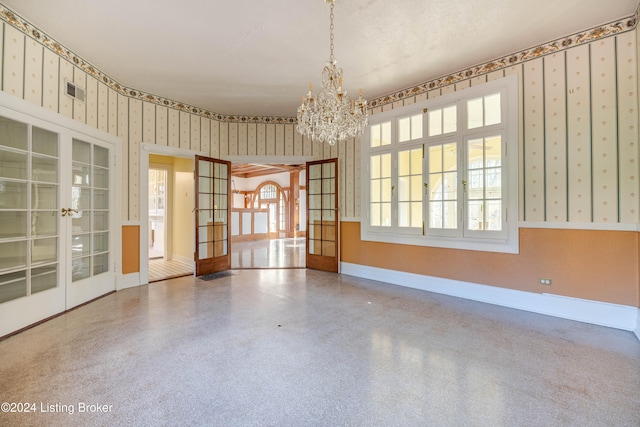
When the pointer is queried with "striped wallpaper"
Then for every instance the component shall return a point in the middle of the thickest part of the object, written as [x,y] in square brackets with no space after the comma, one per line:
[578,121]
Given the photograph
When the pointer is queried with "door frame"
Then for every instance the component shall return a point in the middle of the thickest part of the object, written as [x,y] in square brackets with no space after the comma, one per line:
[145,150]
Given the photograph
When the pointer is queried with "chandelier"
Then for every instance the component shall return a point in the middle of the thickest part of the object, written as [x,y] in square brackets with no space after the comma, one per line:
[331,116]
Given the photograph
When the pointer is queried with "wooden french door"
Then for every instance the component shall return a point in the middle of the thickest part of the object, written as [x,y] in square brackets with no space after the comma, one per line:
[322,215]
[213,215]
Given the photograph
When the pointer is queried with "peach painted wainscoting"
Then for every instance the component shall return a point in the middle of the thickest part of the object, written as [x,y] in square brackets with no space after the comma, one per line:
[587,264]
[130,249]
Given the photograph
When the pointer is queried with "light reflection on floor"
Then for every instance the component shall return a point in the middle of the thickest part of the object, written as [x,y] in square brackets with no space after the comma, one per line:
[273,253]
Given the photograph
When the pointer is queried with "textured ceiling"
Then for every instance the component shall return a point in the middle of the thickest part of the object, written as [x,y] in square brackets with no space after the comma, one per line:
[257,57]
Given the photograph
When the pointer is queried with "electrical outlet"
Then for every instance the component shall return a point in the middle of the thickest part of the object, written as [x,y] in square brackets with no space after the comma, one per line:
[544,281]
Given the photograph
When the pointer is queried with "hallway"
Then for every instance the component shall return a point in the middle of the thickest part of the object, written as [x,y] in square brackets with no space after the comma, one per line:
[307,348]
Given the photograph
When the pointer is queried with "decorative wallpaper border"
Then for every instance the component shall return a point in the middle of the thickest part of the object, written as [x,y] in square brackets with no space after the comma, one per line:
[615,27]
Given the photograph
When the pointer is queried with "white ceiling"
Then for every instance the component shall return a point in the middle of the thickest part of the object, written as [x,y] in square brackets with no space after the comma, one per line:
[243,57]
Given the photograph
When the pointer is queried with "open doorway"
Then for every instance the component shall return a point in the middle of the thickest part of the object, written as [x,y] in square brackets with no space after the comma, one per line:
[158,209]
[170,238]
[268,216]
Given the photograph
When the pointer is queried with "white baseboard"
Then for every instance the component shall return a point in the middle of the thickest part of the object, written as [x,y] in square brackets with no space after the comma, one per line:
[595,312]
[128,281]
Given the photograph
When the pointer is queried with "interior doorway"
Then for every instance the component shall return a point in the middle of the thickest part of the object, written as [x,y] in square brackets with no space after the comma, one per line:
[169,217]
[268,215]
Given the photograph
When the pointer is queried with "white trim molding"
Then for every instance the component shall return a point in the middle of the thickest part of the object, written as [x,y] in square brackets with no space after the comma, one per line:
[595,312]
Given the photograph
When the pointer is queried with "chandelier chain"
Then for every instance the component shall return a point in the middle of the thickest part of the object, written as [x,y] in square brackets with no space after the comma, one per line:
[331,57]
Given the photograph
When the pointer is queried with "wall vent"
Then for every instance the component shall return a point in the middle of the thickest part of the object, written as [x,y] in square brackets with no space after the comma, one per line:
[74,91]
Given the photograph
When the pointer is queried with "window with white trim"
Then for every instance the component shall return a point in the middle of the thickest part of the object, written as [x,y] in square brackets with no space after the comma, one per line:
[443,172]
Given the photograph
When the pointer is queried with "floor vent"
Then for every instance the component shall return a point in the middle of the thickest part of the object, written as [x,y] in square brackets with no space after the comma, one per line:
[74,91]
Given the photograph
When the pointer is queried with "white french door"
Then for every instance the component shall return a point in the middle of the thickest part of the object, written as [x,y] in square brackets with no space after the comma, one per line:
[56,216]
[88,215]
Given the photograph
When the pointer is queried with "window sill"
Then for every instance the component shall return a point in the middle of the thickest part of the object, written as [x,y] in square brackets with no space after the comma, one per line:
[509,245]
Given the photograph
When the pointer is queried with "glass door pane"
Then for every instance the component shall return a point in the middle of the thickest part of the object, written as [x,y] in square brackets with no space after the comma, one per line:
[322,215]
[29,214]
[89,210]
[212,215]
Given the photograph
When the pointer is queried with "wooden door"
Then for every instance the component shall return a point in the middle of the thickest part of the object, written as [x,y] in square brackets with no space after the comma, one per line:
[213,215]
[322,215]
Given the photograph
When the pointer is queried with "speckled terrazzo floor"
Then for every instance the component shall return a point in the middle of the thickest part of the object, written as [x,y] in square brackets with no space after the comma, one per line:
[305,348]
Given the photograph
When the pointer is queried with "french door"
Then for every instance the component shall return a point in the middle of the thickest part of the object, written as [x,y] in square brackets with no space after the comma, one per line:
[322,215]
[56,216]
[213,215]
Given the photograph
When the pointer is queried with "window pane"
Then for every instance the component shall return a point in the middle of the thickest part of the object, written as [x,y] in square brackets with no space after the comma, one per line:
[450,157]
[435,215]
[404,129]
[494,215]
[416,161]
[435,184]
[435,122]
[386,165]
[375,191]
[404,163]
[475,184]
[493,147]
[435,158]
[416,214]
[386,133]
[374,136]
[375,214]
[404,214]
[375,167]
[492,113]
[416,187]
[494,183]
[475,215]
[416,126]
[474,113]
[449,119]
[386,215]
[386,189]
[450,185]
[450,215]
[404,188]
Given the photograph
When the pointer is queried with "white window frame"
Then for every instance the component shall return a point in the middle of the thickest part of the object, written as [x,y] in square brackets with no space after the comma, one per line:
[505,240]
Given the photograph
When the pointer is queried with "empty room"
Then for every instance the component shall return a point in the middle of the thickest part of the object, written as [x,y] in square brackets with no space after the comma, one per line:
[320,213]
